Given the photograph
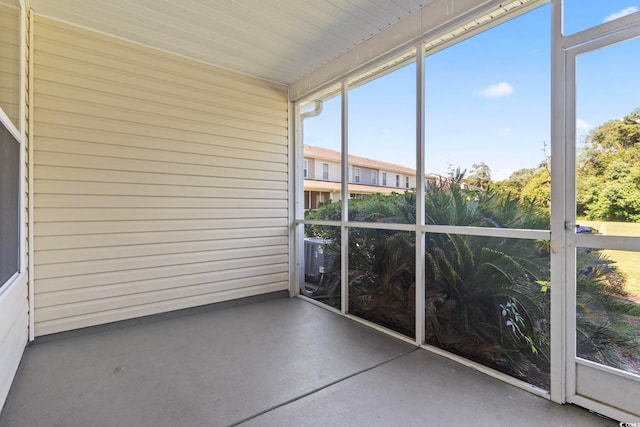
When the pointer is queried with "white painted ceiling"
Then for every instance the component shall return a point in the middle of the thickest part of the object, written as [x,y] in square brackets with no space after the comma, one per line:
[277,40]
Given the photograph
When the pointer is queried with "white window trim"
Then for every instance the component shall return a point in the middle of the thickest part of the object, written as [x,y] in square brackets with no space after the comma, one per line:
[19,132]
[4,119]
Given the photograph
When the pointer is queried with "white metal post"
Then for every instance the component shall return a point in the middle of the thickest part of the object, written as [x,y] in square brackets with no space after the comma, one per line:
[568,224]
[558,318]
[344,232]
[420,194]
[31,200]
[296,194]
[21,125]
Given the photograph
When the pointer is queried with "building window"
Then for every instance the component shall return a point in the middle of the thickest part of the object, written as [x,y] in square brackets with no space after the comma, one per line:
[397,180]
[406,183]
[9,203]
[325,171]
[384,179]
[305,171]
[374,178]
[356,175]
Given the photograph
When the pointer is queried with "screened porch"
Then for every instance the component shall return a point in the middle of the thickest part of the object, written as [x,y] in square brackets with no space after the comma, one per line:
[284,213]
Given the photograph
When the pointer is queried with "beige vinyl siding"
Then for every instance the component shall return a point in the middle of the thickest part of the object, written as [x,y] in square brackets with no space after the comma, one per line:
[160,182]
[14,304]
[14,326]
[9,62]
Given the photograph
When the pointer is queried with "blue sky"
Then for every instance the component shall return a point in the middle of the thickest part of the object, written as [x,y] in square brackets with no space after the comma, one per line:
[487,98]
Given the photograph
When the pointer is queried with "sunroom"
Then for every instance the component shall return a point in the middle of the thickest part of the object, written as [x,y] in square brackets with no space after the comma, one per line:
[169,255]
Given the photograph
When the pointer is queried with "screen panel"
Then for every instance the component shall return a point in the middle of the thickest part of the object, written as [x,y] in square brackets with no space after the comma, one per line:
[9,204]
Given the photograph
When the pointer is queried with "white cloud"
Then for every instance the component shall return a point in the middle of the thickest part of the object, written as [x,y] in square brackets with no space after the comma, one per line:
[504,131]
[495,91]
[582,126]
[621,13]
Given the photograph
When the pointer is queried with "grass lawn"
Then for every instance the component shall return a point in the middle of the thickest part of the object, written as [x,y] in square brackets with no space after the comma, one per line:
[628,262]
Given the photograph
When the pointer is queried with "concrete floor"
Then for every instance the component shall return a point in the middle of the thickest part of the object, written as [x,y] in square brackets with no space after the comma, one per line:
[275,362]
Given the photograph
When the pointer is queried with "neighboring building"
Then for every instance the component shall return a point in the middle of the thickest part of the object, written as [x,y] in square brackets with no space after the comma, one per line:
[321,172]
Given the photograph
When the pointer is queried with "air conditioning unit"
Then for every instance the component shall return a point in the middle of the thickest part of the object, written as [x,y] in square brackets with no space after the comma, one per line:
[315,262]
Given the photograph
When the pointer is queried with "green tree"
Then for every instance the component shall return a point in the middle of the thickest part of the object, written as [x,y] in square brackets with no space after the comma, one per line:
[538,188]
[480,176]
[608,174]
[516,181]
[532,186]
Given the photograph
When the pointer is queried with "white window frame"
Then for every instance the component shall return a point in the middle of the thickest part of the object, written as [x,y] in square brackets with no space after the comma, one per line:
[305,169]
[384,179]
[18,130]
[5,121]
[357,175]
[325,171]
[397,181]
[374,177]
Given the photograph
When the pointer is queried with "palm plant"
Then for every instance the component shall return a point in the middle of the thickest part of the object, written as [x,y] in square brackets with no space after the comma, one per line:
[487,298]
[470,280]
[483,300]
[397,208]
[604,333]
[382,278]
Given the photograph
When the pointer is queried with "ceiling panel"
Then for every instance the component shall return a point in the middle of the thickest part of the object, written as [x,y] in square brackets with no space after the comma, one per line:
[277,40]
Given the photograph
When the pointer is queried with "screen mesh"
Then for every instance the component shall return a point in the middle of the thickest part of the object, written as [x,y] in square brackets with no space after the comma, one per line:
[9,204]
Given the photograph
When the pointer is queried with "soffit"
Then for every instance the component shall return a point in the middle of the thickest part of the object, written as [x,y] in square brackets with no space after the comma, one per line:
[276,40]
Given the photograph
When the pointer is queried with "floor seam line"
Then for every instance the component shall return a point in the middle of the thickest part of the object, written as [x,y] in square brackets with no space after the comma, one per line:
[316,390]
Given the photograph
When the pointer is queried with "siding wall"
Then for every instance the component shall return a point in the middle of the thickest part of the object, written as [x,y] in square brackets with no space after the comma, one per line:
[14,309]
[9,61]
[160,182]
[14,327]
